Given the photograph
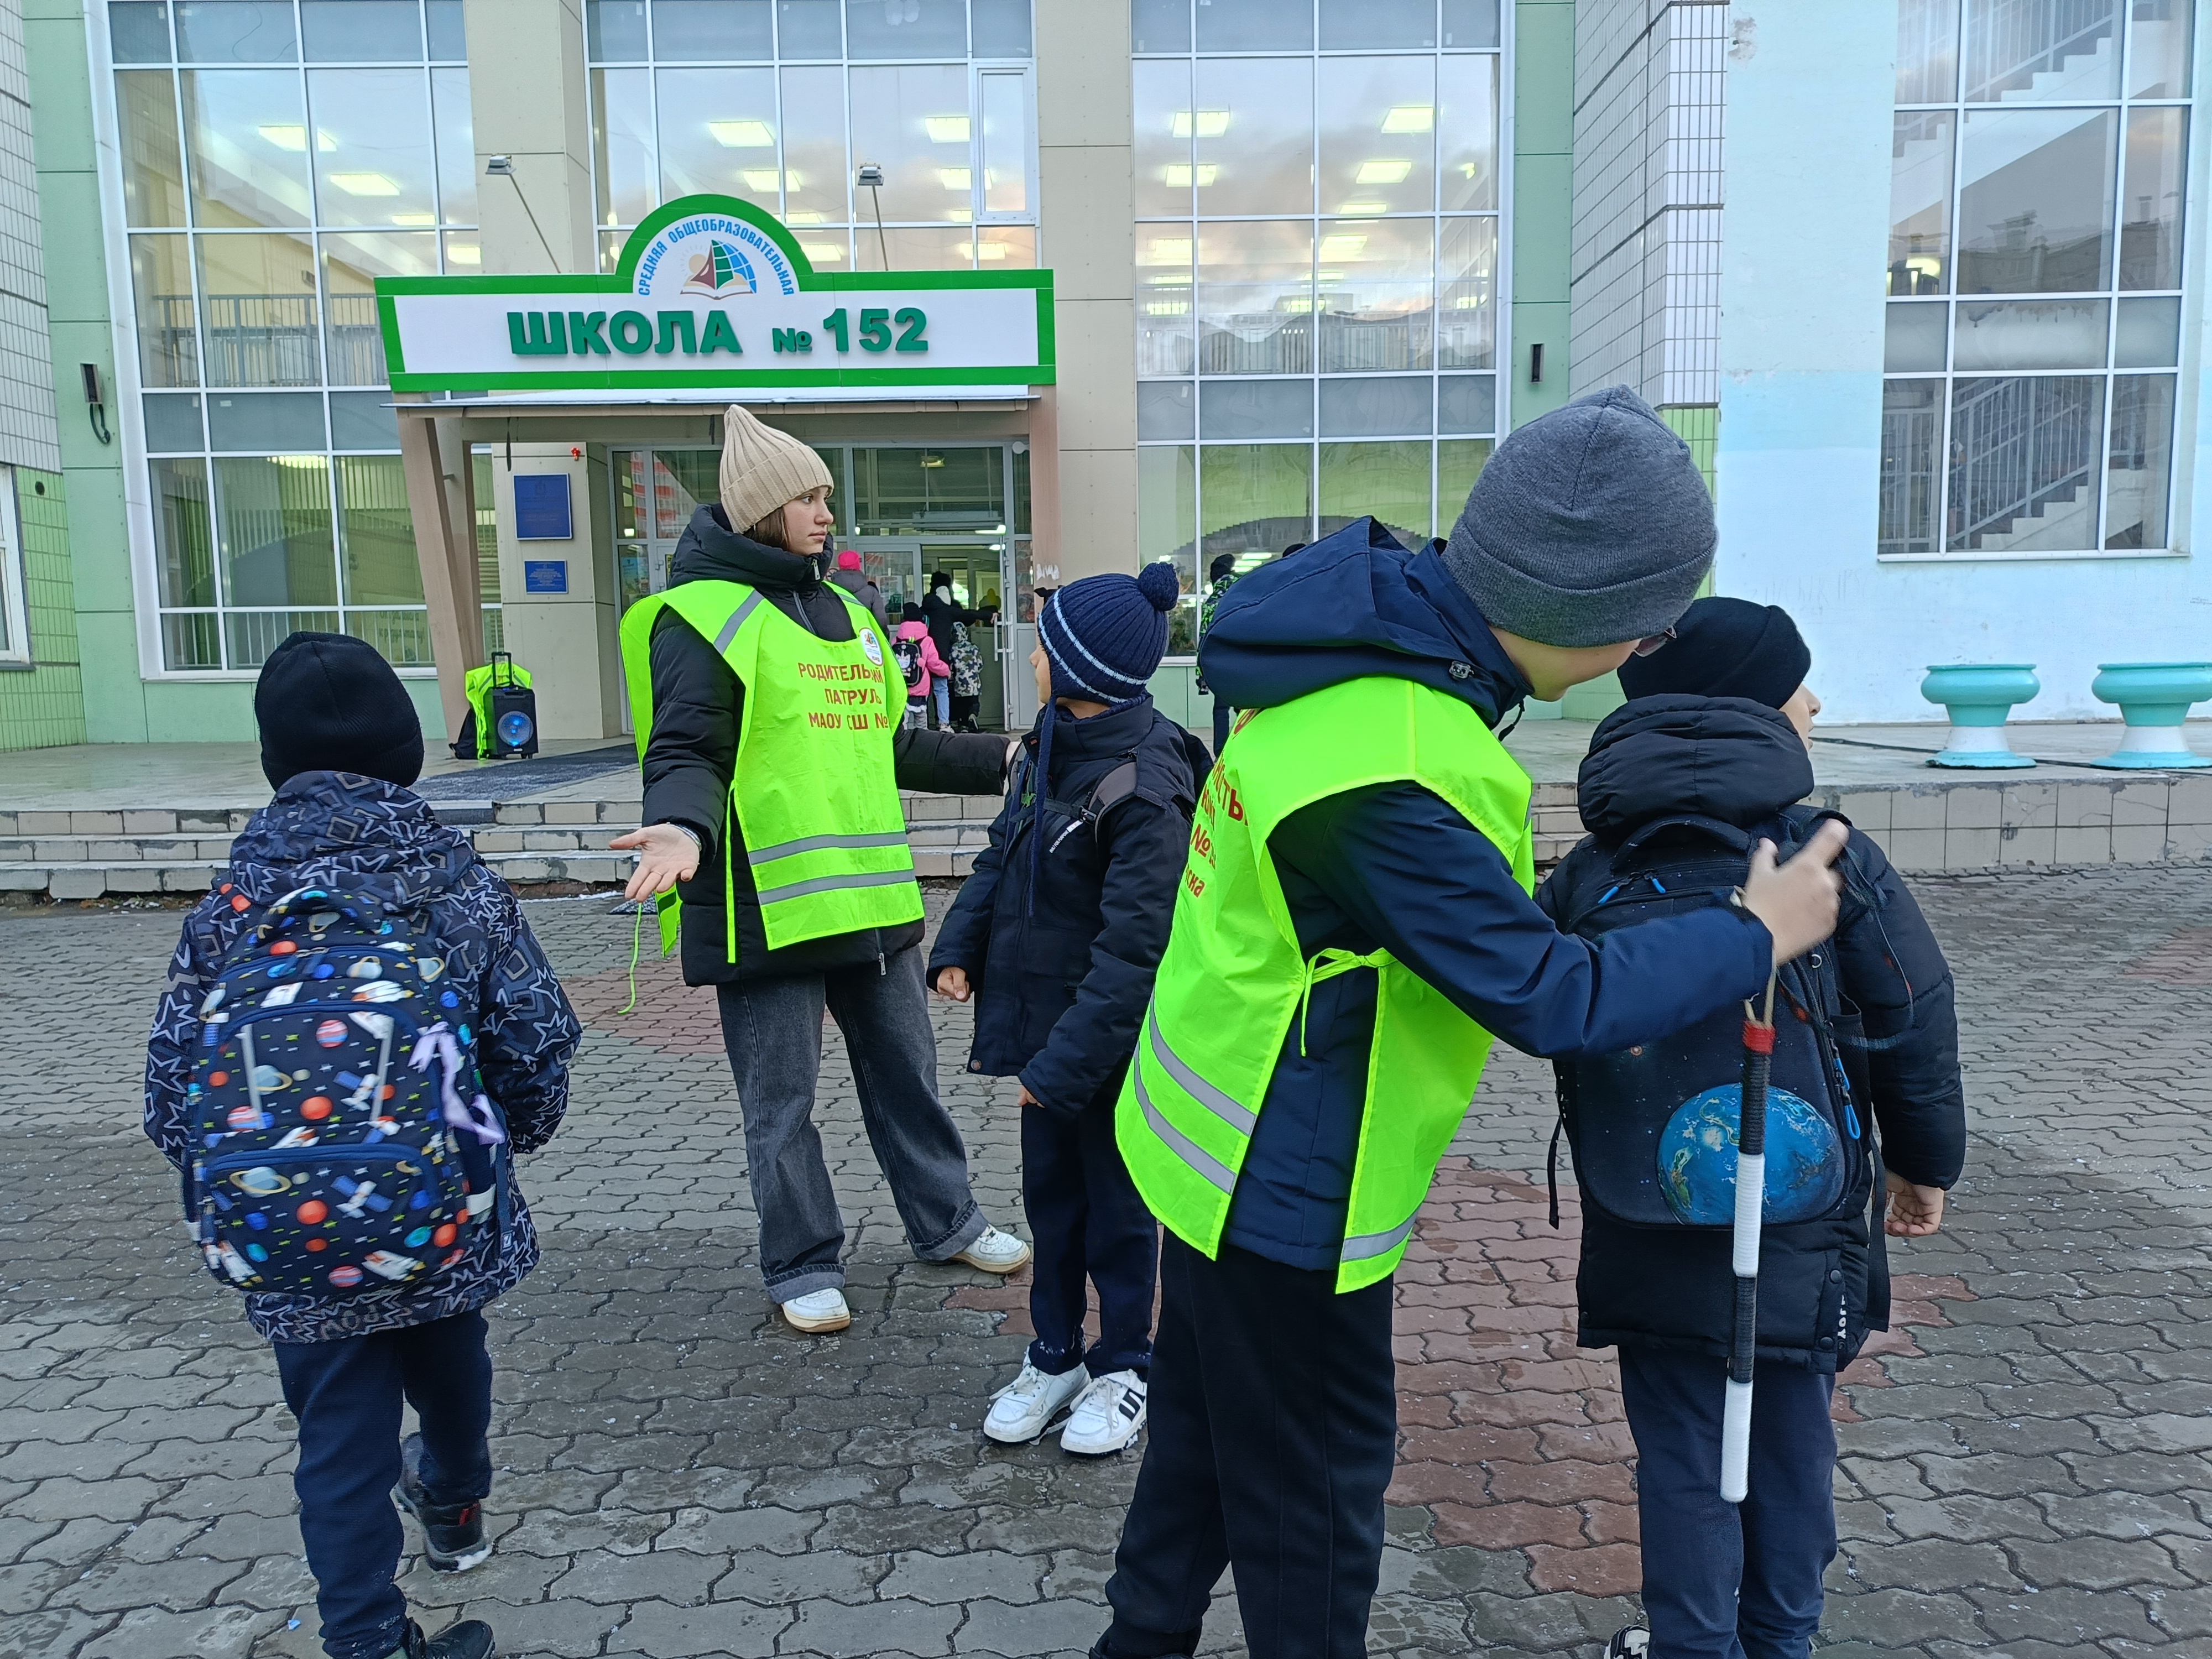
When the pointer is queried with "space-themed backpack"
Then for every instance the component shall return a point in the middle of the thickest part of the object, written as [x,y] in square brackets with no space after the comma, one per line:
[1653,1128]
[341,1143]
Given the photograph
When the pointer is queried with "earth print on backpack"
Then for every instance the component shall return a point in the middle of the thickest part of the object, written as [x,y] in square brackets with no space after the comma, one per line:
[334,1152]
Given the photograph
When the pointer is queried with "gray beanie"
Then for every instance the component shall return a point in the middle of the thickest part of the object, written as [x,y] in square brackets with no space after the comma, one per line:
[1589,525]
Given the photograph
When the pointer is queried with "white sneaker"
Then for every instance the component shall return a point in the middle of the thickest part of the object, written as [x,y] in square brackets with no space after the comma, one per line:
[819,1311]
[995,1252]
[1020,1410]
[1109,1416]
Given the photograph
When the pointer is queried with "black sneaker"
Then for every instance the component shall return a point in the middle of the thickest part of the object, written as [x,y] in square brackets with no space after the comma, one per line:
[469,1640]
[452,1537]
[1630,1643]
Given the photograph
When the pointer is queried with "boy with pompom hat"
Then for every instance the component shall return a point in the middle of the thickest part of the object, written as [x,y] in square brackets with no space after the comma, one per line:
[1054,938]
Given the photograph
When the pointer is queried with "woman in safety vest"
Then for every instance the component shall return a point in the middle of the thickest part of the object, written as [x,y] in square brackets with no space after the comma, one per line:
[773,760]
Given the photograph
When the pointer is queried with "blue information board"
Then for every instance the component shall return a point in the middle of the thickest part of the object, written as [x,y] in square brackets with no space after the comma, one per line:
[545,576]
[541,507]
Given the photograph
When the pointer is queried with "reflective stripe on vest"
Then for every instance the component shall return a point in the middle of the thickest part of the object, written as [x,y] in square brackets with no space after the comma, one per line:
[814,787]
[1233,982]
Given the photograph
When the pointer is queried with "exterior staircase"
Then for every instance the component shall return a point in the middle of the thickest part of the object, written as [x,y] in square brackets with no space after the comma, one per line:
[89,855]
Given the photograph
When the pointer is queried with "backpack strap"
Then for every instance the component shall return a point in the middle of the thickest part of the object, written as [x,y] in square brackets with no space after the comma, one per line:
[1726,835]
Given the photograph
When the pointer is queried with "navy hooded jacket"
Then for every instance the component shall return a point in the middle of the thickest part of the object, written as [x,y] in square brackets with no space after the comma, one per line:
[1822,1284]
[1060,971]
[1395,867]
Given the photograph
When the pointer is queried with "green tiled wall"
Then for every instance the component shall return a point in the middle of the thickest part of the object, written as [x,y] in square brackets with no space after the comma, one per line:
[45,706]
[1698,425]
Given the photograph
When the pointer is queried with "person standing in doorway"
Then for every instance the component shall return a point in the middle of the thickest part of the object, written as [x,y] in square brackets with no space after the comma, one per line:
[770,740]
[1354,923]
[848,575]
[941,611]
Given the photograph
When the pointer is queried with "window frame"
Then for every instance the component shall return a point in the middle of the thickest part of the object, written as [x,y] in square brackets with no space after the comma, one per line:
[15,653]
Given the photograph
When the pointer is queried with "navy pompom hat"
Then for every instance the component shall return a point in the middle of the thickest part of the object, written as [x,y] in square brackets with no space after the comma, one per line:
[1105,634]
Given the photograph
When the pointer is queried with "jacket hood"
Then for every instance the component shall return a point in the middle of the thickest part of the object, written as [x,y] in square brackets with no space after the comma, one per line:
[341,829]
[1353,604]
[710,551]
[911,630]
[1720,757]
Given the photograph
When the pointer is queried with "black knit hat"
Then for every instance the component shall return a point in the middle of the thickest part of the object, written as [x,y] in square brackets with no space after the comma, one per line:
[329,702]
[1725,648]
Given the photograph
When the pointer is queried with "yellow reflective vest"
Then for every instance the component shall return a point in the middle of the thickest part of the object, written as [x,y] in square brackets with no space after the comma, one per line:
[1233,978]
[814,789]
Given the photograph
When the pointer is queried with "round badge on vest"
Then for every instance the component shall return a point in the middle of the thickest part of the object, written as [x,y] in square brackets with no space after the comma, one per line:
[869,644]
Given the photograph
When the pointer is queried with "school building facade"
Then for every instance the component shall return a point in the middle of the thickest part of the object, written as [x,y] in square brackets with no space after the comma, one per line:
[1920,281]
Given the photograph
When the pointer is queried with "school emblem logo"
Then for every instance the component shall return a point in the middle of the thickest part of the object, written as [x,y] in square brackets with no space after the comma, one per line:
[868,644]
[719,272]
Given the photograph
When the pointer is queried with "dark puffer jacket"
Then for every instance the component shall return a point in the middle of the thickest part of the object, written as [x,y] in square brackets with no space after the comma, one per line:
[698,707]
[1062,971]
[336,829]
[1823,1283]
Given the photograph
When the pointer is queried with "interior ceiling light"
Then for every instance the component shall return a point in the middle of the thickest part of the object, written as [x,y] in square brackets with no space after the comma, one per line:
[1182,178]
[1389,171]
[1342,247]
[464,253]
[805,217]
[947,129]
[1410,118]
[1359,210]
[990,251]
[289,136]
[955,179]
[414,221]
[300,463]
[1170,251]
[762,181]
[364,184]
[823,252]
[1205,123]
[749,135]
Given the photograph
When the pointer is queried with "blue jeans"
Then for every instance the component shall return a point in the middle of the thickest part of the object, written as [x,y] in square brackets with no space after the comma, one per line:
[772,1029]
[1087,1220]
[1723,1581]
[347,1396]
[940,692]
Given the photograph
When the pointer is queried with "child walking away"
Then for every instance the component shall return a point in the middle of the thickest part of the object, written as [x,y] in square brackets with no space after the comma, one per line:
[967,679]
[1055,937]
[918,661]
[358,1035]
[1864,1113]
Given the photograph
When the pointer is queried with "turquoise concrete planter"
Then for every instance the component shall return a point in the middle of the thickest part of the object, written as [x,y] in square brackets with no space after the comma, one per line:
[2153,698]
[1978,696]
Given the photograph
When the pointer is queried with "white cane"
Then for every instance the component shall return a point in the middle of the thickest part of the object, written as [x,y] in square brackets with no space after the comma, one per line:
[1750,1196]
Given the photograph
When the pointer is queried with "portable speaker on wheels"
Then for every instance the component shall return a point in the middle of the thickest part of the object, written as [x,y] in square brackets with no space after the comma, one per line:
[514,712]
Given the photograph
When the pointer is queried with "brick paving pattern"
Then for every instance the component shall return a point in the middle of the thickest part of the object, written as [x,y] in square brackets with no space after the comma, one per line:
[2025,1467]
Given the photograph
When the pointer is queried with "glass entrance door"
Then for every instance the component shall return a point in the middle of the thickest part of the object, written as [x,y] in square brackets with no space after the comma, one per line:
[656,491]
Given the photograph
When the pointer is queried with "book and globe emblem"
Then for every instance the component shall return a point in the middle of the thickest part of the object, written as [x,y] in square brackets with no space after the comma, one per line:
[720,271]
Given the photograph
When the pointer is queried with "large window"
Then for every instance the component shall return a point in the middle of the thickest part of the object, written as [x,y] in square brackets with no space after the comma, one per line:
[887,134]
[15,610]
[2034,276]
[277,156]
[1317,187]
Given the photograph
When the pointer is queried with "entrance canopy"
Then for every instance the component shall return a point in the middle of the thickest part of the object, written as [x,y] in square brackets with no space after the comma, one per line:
[713,302]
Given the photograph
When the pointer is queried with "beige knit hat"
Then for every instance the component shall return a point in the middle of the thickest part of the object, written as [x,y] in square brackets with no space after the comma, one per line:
[762,469]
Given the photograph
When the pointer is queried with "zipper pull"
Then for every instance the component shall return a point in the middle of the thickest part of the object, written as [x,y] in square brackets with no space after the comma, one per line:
[1851,1120]
[884,972]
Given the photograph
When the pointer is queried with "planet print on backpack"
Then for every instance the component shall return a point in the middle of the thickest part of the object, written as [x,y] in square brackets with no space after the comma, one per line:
[1697,1152]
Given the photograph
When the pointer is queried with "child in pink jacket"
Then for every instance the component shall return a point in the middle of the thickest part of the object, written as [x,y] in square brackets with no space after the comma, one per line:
[918,661]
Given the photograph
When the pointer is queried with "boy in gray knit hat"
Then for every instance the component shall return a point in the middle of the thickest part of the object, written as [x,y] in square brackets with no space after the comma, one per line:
[1356,909]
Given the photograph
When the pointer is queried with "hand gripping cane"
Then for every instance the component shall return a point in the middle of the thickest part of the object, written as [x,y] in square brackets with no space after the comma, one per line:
[1750,1197]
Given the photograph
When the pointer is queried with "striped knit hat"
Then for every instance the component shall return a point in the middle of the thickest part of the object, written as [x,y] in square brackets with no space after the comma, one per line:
[1106,635]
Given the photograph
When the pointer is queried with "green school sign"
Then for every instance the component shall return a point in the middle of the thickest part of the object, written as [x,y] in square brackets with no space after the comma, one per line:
[713,295]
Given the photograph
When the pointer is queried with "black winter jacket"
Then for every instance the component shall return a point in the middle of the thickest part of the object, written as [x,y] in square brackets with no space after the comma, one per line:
[1060,972]
[698,706]
[1395,868]
[1823,1283]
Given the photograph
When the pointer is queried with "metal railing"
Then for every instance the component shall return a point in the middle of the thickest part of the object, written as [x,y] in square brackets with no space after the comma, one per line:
[2018,446]
[2014,40]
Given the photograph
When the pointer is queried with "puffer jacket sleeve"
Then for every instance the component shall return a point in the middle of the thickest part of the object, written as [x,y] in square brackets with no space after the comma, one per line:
[176,1034]
[693,750]
[950,763]
[527,1032]
[1145,843]
[1894,971]
[963,940]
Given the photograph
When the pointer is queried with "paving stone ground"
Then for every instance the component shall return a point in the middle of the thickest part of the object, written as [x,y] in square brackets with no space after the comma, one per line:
[2025,1468]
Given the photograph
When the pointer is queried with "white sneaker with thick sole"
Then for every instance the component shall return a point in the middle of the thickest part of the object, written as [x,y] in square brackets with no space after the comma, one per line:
[1634,1643]
[995,1252]
[819,1311]
[1109,1416]
[1022,1410]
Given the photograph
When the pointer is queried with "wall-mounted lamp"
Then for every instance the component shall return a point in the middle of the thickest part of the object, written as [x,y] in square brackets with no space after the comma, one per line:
[95,404]
[502,166]
[870,178]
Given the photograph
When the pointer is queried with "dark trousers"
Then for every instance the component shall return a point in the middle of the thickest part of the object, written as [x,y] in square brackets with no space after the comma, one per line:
[1274,1425]
[772,1030]
[1086,1220]
[347,1396]
[1723,1581]
[1223,714]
